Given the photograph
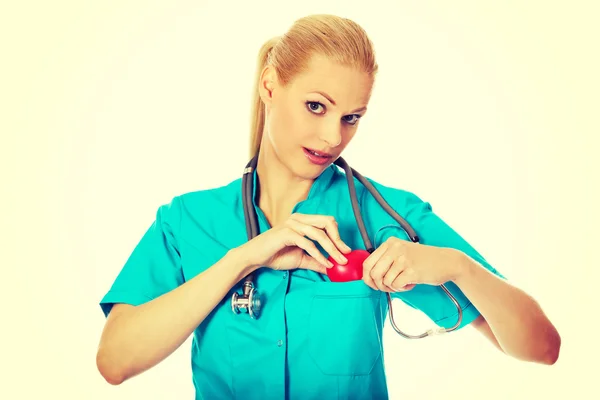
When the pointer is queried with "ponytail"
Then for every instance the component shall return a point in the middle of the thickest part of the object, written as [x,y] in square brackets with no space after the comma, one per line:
[257,123]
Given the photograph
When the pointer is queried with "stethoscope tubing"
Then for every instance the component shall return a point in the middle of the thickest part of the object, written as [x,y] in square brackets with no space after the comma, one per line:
[252,230]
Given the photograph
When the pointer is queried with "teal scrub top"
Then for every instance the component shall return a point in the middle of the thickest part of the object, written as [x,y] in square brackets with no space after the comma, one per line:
[315,339]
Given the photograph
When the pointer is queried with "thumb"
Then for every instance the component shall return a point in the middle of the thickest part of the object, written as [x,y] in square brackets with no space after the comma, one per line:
[404,281]
[308,262]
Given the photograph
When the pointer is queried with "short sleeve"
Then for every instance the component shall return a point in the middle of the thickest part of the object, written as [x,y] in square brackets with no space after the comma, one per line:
[154,266]
[432,230]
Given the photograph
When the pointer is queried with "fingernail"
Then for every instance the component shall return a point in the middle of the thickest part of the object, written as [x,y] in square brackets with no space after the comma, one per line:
[329,263]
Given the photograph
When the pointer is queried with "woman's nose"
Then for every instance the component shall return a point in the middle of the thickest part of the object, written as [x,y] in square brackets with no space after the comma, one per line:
[332,134]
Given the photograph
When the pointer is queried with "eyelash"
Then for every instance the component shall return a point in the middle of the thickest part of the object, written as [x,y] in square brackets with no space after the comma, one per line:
[309,103]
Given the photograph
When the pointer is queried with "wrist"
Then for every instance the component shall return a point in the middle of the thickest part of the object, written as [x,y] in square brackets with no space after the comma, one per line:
[242,262]
[464,266]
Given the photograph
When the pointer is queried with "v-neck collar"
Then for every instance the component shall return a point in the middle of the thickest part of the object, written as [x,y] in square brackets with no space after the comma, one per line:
[319,186]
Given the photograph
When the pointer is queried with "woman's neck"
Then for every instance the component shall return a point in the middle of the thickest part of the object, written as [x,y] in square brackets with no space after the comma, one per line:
[280,189]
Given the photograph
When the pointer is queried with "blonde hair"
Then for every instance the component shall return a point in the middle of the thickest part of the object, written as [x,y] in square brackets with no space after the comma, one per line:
[340,39]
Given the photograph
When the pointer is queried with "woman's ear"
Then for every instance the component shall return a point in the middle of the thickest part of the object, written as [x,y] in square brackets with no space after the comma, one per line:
[266,84]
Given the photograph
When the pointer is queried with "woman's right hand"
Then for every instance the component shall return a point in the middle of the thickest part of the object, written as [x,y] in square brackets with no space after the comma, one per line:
[283,247]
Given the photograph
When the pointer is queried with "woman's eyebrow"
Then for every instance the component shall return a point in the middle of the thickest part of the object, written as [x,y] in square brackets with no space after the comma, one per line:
[328,97]
[333,101]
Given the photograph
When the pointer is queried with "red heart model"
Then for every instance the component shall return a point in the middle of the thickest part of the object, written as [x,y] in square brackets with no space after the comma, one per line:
[352,270]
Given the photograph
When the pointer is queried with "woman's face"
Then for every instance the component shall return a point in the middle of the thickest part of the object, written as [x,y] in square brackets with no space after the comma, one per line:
[318,111]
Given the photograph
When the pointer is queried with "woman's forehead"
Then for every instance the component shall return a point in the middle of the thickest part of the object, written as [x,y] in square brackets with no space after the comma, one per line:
[322,69]
[343,84]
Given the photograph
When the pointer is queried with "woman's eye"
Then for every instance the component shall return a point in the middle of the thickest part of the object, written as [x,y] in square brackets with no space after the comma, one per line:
[314,106]
[317,108]
[351,119]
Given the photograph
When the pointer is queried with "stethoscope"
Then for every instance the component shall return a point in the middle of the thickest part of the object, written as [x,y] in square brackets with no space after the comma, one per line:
[250,300]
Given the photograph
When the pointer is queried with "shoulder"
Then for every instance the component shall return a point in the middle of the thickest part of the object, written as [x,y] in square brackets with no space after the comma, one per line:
[198,204]
[402,200]
[217,196]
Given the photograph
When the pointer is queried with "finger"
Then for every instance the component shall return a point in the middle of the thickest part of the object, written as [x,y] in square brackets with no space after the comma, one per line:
[320,236]
[391,275]
[406,288]
[369,281]
[328,223]
[331,227]
[370,262]
[296,239]
[308,262]
[380,269]
[405,281]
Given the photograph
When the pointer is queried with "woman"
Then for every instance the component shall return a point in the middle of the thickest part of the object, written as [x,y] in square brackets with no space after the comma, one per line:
[314,338]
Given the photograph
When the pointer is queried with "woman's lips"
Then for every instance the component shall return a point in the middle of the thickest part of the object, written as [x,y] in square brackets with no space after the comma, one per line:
[316,157]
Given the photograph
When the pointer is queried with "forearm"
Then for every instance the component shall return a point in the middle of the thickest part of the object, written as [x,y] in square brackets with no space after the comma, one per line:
[140,337]
[515,318]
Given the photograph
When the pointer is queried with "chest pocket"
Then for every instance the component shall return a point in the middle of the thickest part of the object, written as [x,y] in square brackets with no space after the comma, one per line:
[344,328]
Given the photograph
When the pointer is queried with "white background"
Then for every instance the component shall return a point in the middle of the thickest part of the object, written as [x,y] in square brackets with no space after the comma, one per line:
[488,110]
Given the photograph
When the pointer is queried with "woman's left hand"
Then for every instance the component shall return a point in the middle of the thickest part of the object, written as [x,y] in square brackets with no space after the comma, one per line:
[399,265]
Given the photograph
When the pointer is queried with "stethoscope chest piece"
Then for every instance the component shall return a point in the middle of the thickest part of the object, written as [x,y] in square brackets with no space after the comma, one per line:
[249,302]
